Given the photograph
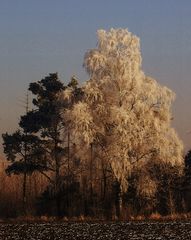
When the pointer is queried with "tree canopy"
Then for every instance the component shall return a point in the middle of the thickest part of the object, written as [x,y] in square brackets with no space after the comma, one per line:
[107,140]
[124,112]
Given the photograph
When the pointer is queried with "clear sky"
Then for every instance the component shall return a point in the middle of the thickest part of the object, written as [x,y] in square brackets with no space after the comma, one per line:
[38,37]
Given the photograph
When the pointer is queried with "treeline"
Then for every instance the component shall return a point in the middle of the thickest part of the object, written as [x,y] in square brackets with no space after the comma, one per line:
[105,149]
[52,177]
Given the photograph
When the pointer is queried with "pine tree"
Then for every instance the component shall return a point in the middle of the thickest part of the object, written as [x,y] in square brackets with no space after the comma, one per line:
[45,122]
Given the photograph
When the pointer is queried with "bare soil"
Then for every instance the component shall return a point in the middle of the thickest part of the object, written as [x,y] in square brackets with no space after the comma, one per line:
[82,231]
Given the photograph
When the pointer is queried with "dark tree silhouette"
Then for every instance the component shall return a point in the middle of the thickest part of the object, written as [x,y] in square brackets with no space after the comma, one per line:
[46,122]
[24,152]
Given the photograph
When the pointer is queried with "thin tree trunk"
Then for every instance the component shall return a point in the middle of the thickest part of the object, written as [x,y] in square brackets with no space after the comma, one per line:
[25,162]
[171,202]
[57,180]
[68,180]
[118,200]
[57,190]
[24,193]
[91,173]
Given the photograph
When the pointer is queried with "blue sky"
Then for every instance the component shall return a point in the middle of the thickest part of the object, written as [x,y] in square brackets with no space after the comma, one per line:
[42,36]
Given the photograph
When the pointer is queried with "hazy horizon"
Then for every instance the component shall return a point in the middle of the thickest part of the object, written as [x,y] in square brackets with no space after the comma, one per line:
[41,37]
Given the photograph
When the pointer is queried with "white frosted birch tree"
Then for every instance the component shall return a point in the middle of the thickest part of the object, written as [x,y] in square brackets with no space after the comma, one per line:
[126,114]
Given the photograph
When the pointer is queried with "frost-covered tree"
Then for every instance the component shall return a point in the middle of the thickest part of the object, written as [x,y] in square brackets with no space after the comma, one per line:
[126,114]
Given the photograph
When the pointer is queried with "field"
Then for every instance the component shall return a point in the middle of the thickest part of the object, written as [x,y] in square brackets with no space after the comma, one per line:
[82,231]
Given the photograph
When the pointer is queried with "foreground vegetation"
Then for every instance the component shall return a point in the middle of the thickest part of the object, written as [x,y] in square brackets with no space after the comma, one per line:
[104,150]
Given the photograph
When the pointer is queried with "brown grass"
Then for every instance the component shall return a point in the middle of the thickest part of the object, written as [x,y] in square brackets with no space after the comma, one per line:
[153,217]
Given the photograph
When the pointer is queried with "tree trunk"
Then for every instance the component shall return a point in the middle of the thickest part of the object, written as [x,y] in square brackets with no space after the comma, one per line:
[68,177]
[118,200]
[24,193]
[57,191]
[91,173]
[171,202]
[57,179]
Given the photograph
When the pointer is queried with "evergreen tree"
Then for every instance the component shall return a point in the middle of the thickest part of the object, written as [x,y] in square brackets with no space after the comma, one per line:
[46,122]
[24,152]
